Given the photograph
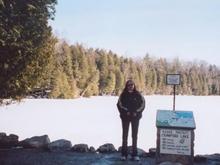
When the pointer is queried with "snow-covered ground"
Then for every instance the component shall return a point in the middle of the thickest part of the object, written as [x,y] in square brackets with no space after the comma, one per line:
[96,121]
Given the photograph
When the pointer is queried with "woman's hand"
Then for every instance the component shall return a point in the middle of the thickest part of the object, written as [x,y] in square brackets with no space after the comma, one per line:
[134,114]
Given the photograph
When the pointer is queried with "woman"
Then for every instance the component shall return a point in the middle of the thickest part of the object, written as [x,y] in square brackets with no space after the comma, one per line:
[130,105]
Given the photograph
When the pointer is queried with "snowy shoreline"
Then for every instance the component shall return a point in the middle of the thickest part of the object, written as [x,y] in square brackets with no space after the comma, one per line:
[96,121]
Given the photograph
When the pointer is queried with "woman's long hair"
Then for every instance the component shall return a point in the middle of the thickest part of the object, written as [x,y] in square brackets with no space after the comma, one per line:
[125,90]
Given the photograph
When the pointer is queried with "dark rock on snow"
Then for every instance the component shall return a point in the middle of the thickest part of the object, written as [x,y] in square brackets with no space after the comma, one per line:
[106,148]
[80,148]
[199,158]
[60,145]
[92,149]
[213,159]
[8,141]
[152,152]
[35,142]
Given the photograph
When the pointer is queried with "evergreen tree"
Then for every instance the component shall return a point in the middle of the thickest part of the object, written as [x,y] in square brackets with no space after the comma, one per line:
[111,80]
[92,82]
[154,81]
[25,45]
[161,75]
[102,65]
[133,73]
[119,81]
[61,86]
[75,53]
[83,69]
[141,76]
[65,58]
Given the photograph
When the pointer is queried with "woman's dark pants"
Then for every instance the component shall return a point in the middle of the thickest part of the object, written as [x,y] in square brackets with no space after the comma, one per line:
[125,128]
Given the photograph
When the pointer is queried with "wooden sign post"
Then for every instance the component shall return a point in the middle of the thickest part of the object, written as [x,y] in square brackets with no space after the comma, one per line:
[173,79]
[175,131]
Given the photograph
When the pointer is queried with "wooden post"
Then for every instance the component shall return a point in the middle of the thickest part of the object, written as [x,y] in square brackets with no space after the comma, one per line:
[173,79]
[174,97]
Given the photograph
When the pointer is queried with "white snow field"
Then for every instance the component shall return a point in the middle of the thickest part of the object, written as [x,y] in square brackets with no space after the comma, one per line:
[96,121]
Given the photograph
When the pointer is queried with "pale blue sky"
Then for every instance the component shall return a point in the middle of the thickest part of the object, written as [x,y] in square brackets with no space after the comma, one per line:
[188,29]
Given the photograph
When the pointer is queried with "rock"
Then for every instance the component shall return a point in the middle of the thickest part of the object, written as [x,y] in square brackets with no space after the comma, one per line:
[60,145]
[106,148]
[209,159]
[200,158]
[169,163]
[141,152]
[152,152]
[2,135]
[213,159]
[80,148]
[8,141]
[92,149]
[36,142]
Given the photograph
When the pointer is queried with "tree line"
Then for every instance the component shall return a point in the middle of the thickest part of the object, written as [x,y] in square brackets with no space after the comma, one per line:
[80,71]
[34,62]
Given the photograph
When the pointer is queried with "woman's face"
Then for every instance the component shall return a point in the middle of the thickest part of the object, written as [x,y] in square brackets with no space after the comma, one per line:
[130,87]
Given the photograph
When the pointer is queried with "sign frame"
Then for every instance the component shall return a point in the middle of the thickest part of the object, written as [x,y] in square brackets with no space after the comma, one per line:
[173,79]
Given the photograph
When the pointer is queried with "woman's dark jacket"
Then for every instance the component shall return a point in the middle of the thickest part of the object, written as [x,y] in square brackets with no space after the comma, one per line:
[131,102]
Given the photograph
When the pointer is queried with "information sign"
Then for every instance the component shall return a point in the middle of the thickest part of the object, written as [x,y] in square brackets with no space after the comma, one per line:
[173,79]
[173,141]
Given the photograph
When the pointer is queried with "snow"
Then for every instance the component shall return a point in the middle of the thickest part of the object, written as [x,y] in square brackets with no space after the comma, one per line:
[96,121]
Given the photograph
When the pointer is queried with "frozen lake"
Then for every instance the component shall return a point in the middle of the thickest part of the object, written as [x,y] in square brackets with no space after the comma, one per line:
[96,121]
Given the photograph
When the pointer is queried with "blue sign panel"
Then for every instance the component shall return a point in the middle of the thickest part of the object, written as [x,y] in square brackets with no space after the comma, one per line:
[180,119]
